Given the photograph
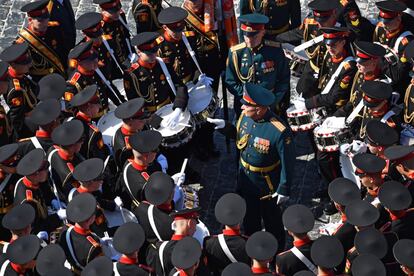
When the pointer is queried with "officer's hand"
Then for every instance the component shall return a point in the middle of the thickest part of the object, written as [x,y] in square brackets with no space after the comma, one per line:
[43,236]
[220,123]
[203,79]
[118,202]
[172,120]
[178,178]
[61,214]
[281,199]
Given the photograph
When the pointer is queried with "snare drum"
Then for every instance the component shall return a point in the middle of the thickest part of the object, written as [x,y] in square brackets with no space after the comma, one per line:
[330,139]
[108,124]
[303,120]
[179,135]
[201,102]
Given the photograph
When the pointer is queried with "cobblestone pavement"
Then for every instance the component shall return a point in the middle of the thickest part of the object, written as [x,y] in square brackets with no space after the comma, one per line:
[218,176]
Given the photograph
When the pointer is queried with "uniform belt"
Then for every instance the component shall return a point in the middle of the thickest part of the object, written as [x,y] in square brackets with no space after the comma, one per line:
[277,31]
[4,210]
[251,168]
[153,108]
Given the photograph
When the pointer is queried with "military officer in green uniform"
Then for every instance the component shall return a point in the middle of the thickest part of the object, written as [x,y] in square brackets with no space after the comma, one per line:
[267,159]
[259,61]
[283,15]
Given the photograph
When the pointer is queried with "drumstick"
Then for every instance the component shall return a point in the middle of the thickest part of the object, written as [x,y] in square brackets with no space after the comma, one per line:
[186,125]
[183,169]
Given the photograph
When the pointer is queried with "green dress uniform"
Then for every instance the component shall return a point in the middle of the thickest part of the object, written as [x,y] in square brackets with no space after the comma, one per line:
[283,15]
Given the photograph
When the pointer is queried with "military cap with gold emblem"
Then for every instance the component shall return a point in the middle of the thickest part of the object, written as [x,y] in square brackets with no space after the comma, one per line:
[173,18]
[16,53]
[85,96]
[375,92]
[90,24]
[147,41]
[109,5]
[252,23]
[380,134]
[51,86]
[367,50]
[37,9]
[83,51]
[322,9]
[331,35]
[367,163]
[389,10]
[257,95]
[45,112]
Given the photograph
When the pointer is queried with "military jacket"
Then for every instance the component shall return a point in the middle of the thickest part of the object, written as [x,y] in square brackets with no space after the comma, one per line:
[350,16]
[266,143]
[9,271]
[288,264]
[125,269]
[167,254]
[283,14]
[177,57]
[21,99]
[265,65]
[6,195]
[403,226]
[86,246]
[145,15]
[122,149]
[214,256]
[120,41]
[148,81]
[26,145]
[338,95]
[408,108]
[47,55]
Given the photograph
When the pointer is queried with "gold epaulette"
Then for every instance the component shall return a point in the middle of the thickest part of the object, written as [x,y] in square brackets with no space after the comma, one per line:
[272,43]
[309,20]
[238,47]
[73,63]
[16,84]
[347,65]
[19,40]
[107,37]
[278,124]
[189,33]
[53,24]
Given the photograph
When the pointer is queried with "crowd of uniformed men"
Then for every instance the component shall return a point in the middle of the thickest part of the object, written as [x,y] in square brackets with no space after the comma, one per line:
[60,183]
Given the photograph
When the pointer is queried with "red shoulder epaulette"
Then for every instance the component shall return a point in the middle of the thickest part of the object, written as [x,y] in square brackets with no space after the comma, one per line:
[29,195]
[145,175]
[70,166]
[92,241]
[133,67]
[75,78]
[94,128]
[16,84]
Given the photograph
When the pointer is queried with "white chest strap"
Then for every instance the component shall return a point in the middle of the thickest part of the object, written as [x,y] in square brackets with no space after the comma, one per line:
[336,75]
[4,267]
[167,74]
[304,260]
[150,213]
[70,247]
[55,191]
[36,142]
[355,112]
[5,246]
[70,195]
[17,185]
[192,53]
[4,182]
[116,272]
[176,273]
[111,52]
[161,254]
[125,176]
[399,39]
[225,248]
[107,82]
[126,39]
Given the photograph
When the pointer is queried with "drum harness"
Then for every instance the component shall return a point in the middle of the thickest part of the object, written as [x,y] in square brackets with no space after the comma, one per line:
[304,260]
[134,200]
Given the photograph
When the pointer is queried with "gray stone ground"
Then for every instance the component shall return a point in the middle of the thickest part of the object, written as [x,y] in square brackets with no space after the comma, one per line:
[218,176]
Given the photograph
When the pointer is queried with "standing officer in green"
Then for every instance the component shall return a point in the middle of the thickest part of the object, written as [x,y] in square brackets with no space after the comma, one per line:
[267,159]
[259,61]
[283,15]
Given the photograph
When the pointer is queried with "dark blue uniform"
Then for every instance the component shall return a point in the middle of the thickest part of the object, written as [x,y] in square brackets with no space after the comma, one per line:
[265,65]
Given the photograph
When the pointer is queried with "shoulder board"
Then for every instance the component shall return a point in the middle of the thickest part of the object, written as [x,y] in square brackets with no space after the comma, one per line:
[189,33]
[344,2]
[133,67]
[94,128]
[278,124]
[73,63]
[272,43]
[107,36]
[75,78]
[160,39]
[347,65]
[70,166]
[29,195]
[145,175]
[92,241]
[16,83]
[53,24]
[19,40]
[68,96]
[309,20]
[238,47]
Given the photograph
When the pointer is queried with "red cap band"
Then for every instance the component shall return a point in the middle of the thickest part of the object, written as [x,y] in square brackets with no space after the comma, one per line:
[335,35]
[252,27]
[388,14]
[248,99]
[37,13]
[322,14]
[111,5]
[363,55]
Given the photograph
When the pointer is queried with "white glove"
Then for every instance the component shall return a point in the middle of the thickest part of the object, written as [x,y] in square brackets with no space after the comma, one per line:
[56,206]
[61,214]
[43,235]
[106,240]
[178,178]
[220,123]
[281,199]
[173,119]
[162,160]
[118,202]
[335,122]
[358,147]
[133,58]
[203,79]
[299,103]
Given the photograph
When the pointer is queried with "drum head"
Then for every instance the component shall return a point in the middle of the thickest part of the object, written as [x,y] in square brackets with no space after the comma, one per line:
[199,97]
[108,125]
[166,111]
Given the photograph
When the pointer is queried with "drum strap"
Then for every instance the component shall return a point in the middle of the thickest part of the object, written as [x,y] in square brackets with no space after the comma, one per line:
[192,53]
[134,200]
[176,273]
[107,83]
[116,272]
[304,260]
[355,112]
[4,267]
[70,195]
[111,52]
[167,74]
[335,75]
[387,115]
[399,39]
[4,182]
[70,247]
[225,248]
[161,254]
[55,191]
[15,187]
[150,213]
[36,142]
[128,43]
[5,246]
